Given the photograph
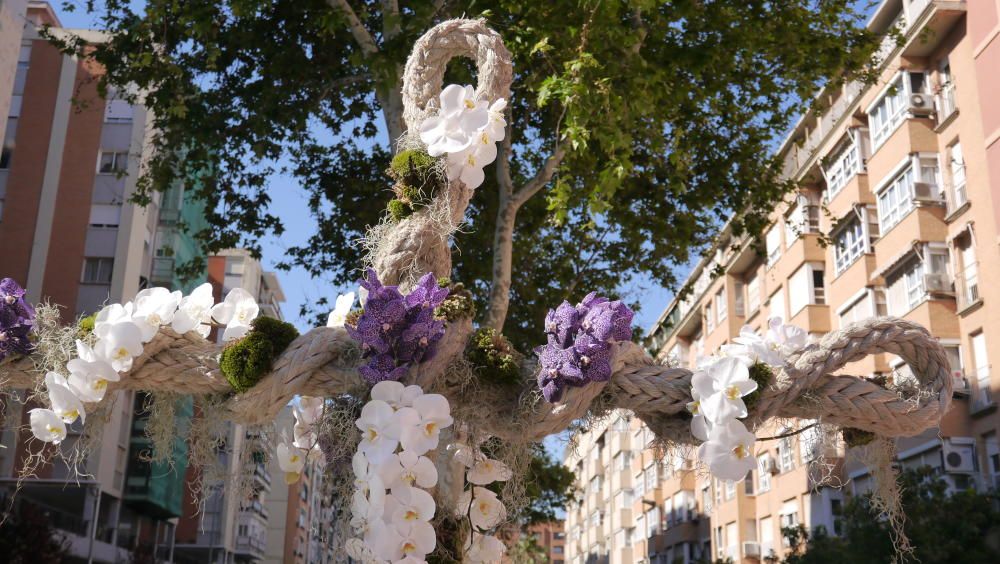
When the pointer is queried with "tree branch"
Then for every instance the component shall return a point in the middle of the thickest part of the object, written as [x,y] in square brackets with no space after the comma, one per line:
[358,30]
[392,25]
[503,234]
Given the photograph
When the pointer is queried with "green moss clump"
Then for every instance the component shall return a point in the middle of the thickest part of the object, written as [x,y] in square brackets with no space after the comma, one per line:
[244,362]
[86,324]
[763,375]
[409,193]
[856,437]
[493,357]
[399,210]
[457,305]
[412,167]
[444,282]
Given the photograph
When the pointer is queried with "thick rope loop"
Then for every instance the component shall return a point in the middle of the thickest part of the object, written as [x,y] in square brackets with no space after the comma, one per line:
[423,77]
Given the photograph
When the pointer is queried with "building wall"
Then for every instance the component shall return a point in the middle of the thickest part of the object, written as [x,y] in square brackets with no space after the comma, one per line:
[950,231]
[12,20]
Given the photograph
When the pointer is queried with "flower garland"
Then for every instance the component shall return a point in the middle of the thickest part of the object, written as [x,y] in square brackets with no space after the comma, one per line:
[579,343]
[718,389]
[395,331]
[121,332]
[304,446]
[391,508]
[465,131]
[17,319]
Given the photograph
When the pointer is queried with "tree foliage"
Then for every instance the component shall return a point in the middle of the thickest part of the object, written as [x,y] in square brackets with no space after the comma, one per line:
[943,527]
[27,535]
[657,119]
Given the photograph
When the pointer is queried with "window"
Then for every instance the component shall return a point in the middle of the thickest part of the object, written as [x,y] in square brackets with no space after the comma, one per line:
[721,305]
[763,473]
[709,318]
[117,111]
[766,536]
[706,499]
[786,459]
[806,287]
[981,375]
[651,477]
[926,271]
[730,489]
[748,483]
[652,521]
[891,109]
[858,310]
[98,270]
[842,165]
[640,485]
[946,91]
[789,516]
[105,215]
[718,491]
[918,180]
[802,217]
[773,243]
[966,271]
[777,304]
[112,162]
[5,156]
[956,169]
[739,301]
[809,442]
[851,243]
[753,293]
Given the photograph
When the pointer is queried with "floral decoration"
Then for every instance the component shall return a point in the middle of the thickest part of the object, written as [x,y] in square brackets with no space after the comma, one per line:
[17,319]
[397,331]
[719,390]
[121,331]
[579,343]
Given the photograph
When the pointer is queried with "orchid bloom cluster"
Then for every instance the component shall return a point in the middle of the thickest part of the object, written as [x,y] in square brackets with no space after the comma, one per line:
[292,457]
[480,505]
[391,508]
[17,319]
[121,332]
[579,343]
[718,388]
[397,331]
[466,130]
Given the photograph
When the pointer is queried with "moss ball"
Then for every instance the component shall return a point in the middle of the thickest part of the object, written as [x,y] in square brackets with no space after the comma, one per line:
[457,305]
[399,210]
[244,362]
[493,357]
[86,324]
[763,375]
[857,437]
[413,164]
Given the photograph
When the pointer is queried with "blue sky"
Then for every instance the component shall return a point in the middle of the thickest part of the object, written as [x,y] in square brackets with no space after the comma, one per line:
[289,203]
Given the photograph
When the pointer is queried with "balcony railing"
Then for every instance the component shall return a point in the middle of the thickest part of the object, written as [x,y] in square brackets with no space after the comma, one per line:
[967,286]
[250,544]
[982,397]
[946,101]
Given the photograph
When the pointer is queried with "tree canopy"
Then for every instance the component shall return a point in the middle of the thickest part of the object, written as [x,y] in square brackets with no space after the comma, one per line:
[636,128]
[942,526]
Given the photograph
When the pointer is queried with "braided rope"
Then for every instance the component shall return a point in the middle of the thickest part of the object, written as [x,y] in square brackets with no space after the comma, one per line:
[323,361]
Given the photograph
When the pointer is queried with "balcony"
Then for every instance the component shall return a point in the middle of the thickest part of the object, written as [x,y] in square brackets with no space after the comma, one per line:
[983,400]
[814,318]
[250,545]
[855,191]
[621,441]
[922,223]
[967,288]
[805,248]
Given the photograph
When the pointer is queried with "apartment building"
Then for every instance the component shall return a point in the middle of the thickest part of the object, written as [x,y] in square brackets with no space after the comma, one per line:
[901,176]
[551,538]
[12,22]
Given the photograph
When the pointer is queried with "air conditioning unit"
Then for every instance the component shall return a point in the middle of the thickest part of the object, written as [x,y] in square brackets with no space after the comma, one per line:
[938,282]
[958,458]
[751,549]
[921,104]
[927,191]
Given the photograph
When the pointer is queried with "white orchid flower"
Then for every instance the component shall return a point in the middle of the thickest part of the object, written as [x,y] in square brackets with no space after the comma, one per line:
[408,469]
[119,345]
[411,504]
[396,394]
[483,507]
[729,451]
[110,315]
[484,548]
[89,374]
[195,311]
[721,388]
[338,317]
[700,425]
[380,430]
[421,424]
[465,454]
[64,402]
[367,512]
[496,128]
[47,425]
[154,307]
[786,339]
[459,119]
[488,471]
[309,410]
[467,165]
[236,312]
[415,540]
[291,460]
[410,560]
